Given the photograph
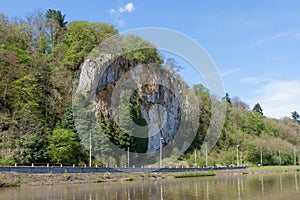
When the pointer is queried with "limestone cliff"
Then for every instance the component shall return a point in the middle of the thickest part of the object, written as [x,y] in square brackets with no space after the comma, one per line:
[106,77]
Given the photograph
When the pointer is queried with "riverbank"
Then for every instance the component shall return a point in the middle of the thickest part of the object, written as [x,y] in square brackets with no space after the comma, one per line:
[17,180]
[259,170]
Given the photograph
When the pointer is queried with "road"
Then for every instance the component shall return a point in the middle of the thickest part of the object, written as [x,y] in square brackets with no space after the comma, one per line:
[63,169]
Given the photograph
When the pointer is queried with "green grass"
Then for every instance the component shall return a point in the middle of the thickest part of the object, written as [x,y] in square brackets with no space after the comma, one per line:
[274,168]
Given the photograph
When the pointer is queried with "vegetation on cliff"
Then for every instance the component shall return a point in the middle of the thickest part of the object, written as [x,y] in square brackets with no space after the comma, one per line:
[41,55]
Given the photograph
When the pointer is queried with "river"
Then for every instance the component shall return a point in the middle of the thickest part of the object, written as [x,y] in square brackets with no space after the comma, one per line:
[268,187]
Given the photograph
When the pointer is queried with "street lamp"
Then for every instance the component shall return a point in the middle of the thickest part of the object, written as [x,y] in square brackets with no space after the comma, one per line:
[261,158]
[295,157]
[90,164]
[237,155]
[206,156]
[195,157]
[160,152]
[299,159]
[279,153]
[128,156]
[241,158]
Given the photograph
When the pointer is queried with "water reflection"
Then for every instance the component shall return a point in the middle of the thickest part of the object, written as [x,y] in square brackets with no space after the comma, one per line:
[280,181]
[296,182]
[207,190]
[232,187]
[261,179]
[239,189]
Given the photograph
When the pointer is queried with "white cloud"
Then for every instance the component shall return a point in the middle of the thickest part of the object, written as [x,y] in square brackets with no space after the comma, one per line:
[116,13]
[287,34]
[279,98]
[112,11]
[256,79]
[127,8]
[230,71]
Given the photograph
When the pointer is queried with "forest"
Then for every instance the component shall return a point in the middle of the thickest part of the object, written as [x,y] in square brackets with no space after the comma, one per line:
[41,56]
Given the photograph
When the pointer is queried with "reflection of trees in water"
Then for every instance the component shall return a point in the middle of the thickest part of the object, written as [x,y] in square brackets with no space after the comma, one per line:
[229,187]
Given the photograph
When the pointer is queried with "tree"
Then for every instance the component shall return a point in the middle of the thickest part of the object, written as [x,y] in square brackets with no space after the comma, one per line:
[227,99]
[135,48]
[257,109]
[173,66]
[29,127]
[81,38]
[296,116]
[204,101]
[67,121]
[199,89]
[38,34]
[57,24]
[125,122]
[237,103]
[64,147]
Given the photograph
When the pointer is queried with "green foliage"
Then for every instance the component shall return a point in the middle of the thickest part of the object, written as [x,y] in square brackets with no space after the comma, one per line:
[64,147]
[253,133]
[39,58]
[67,121]
[32,149]
[204,120]
[8,160]
[81,38]
[137,49]
[121,131]
[140,142]
[57,24]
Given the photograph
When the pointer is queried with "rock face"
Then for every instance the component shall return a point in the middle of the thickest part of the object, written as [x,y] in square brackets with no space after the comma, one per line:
[106,77]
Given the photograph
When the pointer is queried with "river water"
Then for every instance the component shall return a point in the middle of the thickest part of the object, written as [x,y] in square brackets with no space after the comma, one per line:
[268,187]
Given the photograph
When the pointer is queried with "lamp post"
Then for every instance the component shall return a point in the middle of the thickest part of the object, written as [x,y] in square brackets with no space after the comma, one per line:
[90,164]
[241,158]
[295,157]
[237,155]
[195,157]
[206,156]
[160,152]
[128,156]
[299,159]
[261,159]
[279,153]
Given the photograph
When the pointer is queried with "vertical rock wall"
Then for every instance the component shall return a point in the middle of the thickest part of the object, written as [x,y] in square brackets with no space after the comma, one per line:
[159,104]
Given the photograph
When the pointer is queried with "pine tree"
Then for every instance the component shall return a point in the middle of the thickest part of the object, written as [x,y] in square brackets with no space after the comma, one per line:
[57,24]
[296,116]
[257,109]
[227,99]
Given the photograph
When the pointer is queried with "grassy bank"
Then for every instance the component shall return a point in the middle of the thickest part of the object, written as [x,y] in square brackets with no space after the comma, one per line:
[15,180]
[259,170]
[272,169]
[193,174]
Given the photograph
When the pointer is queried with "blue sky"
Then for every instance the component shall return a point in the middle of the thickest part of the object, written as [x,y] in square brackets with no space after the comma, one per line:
[255,44]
